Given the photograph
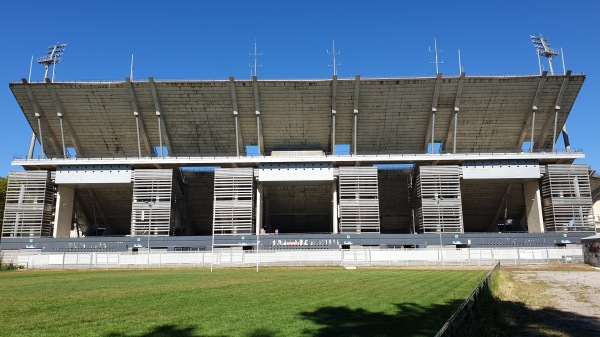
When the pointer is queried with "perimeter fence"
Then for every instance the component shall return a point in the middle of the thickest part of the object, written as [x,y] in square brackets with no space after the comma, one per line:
[462,320]
[236,257]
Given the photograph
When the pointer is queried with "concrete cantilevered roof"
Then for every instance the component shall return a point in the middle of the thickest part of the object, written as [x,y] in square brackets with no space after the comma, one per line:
[394,115]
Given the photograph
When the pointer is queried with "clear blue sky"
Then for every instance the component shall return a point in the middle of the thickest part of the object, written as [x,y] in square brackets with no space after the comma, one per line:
[212,40]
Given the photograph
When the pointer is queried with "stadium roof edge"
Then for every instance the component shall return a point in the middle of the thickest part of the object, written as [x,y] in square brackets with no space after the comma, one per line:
[303,79]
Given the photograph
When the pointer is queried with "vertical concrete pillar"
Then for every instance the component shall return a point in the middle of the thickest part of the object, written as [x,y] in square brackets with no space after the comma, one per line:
[64,211]
[334,205]
[259,189]
[596,215]
[533,207]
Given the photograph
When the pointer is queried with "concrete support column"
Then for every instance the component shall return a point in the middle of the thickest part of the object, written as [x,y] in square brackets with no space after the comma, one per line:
[31,146]
[259,190]
[334,205]
[533,207]
[566,140]
[596,212]
[64,211]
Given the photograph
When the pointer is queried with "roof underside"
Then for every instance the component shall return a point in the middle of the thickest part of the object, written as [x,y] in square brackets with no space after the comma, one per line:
[394,115]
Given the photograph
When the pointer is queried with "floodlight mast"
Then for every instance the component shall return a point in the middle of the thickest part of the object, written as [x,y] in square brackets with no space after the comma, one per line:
[333,54]
[256,65]
[52,57]
[436,51]
[543,49]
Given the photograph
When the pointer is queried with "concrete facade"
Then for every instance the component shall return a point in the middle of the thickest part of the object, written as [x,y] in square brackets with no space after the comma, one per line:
[337,156]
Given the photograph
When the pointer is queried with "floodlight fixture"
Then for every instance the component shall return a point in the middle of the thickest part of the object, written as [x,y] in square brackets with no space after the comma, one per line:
[52,57]
[543,49]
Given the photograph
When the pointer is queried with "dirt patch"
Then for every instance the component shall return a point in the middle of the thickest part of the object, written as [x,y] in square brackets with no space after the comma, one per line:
[568,290]
[549,300]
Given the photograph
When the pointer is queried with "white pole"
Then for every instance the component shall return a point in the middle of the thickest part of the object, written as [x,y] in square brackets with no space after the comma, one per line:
[212,251]
[30,67]
[131,68]
[436,56]
[53,70]
[160,134]
[562,56]
[460,68]
[149,228]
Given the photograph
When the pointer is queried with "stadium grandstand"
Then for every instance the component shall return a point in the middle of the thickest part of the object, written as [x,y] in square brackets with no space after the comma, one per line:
[446,160]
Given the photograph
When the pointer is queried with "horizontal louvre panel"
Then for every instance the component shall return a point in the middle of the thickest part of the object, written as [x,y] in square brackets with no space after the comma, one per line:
[359,200]
[567,198]
[233,211]
[151,206]
[439,201]
[29,205]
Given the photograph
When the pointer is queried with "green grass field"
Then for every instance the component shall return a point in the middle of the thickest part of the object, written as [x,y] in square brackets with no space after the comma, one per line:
[231,302]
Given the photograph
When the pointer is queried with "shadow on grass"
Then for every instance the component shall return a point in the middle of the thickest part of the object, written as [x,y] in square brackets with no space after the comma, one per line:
[163,331]
[409,320]
[492,317]
[189,331]
[495,317]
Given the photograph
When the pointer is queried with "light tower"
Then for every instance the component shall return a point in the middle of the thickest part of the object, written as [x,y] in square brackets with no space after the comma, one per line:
[543,49]
[52,57]
[333,55]
[256,65]
[436,51]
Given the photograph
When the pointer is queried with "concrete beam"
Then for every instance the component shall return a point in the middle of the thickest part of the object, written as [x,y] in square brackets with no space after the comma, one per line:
[334,202]
[260,140]
[355,124]
[333,111]
[160,115]
[138,114]
[259,202]
[54,144]
[452,125]
[430,133]
[530,119]
[239,143]
[63,214]
[553,118]
[533,207]
[60,109]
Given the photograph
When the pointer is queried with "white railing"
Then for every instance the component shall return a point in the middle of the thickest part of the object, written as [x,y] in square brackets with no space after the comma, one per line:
[235,257]
[497,152]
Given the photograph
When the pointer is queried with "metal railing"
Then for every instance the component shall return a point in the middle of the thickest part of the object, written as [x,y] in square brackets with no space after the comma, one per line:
[466,309]
[237,257]
[325,154]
